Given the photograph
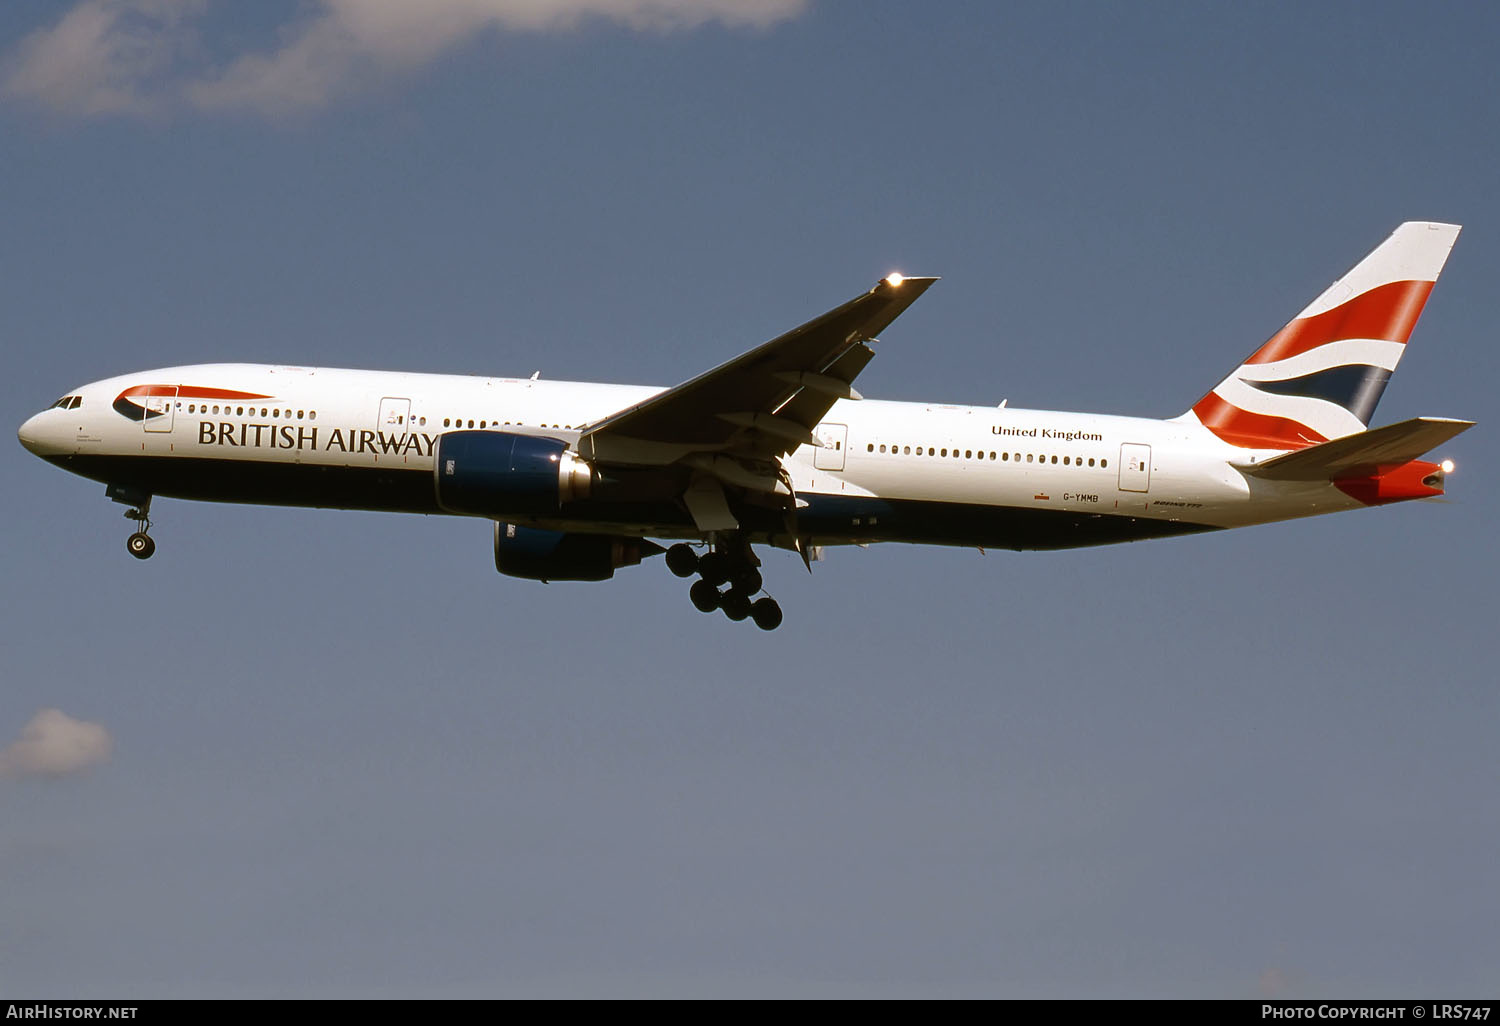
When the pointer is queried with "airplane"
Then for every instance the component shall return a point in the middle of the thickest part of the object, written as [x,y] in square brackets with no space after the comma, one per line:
[776,448]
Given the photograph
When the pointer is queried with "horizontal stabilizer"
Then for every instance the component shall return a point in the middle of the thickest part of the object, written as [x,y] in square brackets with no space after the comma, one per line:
[1366,452]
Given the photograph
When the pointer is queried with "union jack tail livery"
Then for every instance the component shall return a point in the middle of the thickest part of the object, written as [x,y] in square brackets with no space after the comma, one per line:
[1320,377]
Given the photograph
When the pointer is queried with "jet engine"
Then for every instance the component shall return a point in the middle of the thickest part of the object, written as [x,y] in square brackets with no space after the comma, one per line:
[540,555]
[495,473]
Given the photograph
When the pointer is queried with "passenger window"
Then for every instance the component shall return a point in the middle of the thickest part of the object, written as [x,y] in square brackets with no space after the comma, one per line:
[1028,457]
[1104,463]
[968,454]
[907,450]
[445,422]
[1065,461]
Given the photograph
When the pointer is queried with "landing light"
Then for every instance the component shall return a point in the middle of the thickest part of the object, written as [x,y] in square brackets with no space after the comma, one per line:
[1447,466]
[895,278]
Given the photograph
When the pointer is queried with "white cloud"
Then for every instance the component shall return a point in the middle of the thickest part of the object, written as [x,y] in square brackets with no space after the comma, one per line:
[103,57]
[145,56]
[54,744]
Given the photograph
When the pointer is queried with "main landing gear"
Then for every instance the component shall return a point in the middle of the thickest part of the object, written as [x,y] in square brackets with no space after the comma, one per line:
[140,544]
[722,565]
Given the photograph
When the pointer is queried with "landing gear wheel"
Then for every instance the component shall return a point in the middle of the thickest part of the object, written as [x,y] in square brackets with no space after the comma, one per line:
[682,560]
[705,596]
[735,603]
[748,580]
[138,544]
[766,613]
[714,568]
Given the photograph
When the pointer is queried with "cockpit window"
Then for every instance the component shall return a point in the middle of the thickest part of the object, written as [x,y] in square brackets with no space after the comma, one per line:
[67,402]
[77,402]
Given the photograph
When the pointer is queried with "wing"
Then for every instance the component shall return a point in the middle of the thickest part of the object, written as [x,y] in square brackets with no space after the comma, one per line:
[759,406]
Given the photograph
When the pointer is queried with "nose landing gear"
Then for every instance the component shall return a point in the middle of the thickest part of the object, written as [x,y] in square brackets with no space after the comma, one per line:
[726,564]
[140,544]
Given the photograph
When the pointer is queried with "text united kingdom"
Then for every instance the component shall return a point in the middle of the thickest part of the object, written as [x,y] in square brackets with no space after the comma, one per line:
[1052,433]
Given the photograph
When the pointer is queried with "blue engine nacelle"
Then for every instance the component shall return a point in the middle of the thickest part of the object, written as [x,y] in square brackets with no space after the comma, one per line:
[495,474]
[540,555]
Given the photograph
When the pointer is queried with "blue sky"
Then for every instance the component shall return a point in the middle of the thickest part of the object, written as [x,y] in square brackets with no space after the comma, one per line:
[345,758]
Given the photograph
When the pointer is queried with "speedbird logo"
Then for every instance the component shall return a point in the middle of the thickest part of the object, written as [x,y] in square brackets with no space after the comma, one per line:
[126,404]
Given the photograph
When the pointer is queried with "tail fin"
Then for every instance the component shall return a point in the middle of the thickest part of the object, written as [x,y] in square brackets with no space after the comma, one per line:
[1320,376]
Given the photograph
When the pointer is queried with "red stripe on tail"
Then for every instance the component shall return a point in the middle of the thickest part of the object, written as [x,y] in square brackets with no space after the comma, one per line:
[1386,312]
[1253,430]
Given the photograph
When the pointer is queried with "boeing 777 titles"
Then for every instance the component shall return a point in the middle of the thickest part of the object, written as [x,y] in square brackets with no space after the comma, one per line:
[776,448]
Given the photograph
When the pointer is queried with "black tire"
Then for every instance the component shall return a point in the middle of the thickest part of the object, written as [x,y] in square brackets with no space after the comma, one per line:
[140,545]
[714,568]
[767,614]
[748,580]
[682,560]
[705,596]
[735,603]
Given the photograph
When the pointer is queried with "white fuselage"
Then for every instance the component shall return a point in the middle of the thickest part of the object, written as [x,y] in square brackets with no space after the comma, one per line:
[887,471]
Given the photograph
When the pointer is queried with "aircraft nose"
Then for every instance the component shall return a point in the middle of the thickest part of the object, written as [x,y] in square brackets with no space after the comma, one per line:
[33,435]
[28,433]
